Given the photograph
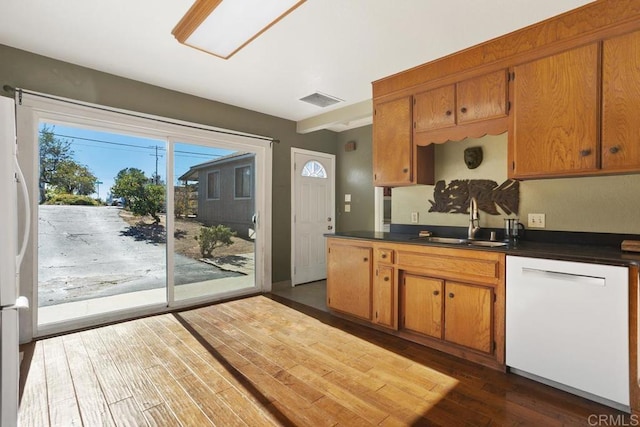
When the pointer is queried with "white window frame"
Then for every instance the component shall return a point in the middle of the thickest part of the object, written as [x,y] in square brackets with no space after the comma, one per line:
[216,187]
[235,182]
[34,108]
[304,167]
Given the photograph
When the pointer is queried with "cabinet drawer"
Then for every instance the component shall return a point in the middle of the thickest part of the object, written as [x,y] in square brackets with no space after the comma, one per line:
[481,269]
[384,255]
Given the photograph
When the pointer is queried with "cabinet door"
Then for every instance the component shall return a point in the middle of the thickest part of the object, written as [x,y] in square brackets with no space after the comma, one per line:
[482,98]
[349,280]
[468,313]
[422,305]
[392,143]
[384,297]
[435,109]
[621,103]
[554,129]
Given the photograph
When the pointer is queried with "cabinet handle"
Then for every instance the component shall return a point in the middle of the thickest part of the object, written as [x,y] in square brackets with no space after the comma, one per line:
[451,295]
[436,293]
[448,113]
[383,256]
[386,278]
[614,149]
[405,170]
[585,153]
[366,259]
[463,110]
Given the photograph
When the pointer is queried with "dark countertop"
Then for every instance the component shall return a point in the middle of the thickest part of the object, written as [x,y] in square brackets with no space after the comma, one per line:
[591,253]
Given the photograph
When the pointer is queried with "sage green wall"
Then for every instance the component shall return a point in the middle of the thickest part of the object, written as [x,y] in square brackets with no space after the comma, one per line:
[354,176]
[26,70]
[592,204]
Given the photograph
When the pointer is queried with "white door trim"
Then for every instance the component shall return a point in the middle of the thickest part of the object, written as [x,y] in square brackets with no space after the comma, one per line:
[331,158]
[378,214]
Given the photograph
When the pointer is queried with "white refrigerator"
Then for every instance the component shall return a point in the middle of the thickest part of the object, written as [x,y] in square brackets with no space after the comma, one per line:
[12,246]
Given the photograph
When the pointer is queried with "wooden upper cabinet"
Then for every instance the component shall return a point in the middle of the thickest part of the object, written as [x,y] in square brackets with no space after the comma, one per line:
[396,159]
[621,103]
[435,109]
[482,98]
[554,123]
[440,112]
[468,316]
[392,143]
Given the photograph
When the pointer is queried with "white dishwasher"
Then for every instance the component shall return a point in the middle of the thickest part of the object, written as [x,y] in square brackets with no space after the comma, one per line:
[567,324]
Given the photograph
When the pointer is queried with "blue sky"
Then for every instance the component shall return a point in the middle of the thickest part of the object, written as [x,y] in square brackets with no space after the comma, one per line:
[105,153]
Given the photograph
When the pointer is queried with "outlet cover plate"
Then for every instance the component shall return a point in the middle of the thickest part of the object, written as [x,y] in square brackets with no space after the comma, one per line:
[536,220]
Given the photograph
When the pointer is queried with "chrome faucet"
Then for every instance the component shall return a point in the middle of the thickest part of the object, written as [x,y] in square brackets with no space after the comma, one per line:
[474,226]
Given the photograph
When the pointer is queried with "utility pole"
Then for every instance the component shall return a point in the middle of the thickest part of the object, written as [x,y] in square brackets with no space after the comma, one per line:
[156,177]
[98,182]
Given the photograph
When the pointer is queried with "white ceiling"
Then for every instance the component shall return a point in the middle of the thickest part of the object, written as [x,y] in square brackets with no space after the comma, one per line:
[337,47]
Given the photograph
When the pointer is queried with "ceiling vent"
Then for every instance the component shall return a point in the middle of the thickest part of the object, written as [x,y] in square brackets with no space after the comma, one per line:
[321,100]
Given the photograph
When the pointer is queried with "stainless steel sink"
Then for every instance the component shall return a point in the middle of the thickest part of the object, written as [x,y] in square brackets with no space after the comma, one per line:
[448,240]
[487,243]
[457,241]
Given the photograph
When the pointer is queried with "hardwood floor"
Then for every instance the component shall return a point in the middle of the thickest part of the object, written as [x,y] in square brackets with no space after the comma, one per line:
[258,362]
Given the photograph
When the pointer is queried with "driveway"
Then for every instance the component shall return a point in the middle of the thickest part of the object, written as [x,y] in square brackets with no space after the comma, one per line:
[88,252]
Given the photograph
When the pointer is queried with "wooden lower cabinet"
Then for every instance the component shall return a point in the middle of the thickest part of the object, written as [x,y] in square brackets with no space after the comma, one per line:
[456,312]
[445,298]
[349,278]
[422,305]
[384,297]
[468,313]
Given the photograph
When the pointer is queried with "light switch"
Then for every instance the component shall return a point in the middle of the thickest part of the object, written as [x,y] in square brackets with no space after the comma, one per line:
[347,197]
[347,208]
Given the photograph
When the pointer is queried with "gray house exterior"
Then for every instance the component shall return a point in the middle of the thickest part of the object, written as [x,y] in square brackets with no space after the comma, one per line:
[226,191]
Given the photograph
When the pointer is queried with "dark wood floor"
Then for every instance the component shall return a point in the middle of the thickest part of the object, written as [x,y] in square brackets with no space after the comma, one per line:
[255,362]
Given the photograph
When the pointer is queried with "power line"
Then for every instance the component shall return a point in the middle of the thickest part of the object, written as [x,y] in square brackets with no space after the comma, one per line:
[133,145]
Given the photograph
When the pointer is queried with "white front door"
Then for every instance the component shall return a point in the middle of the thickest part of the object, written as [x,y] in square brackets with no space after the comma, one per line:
[313,207]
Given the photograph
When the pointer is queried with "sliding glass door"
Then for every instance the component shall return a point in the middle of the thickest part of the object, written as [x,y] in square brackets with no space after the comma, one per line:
[137,216]
[101,222]
[213,229]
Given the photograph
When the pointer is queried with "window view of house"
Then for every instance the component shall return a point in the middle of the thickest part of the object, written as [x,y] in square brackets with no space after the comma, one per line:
[243,182]
[213,185]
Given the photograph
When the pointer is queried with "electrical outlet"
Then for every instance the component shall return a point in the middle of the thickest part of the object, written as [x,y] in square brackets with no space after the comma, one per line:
[414,217]
[347,208]
[536,220]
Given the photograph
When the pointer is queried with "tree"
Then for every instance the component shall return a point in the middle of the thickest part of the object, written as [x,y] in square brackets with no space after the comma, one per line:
[142,196]
[73,178]
[53,151]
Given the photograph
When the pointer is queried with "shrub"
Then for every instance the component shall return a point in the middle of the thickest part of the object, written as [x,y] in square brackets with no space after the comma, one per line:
[71,199]
[214,237]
